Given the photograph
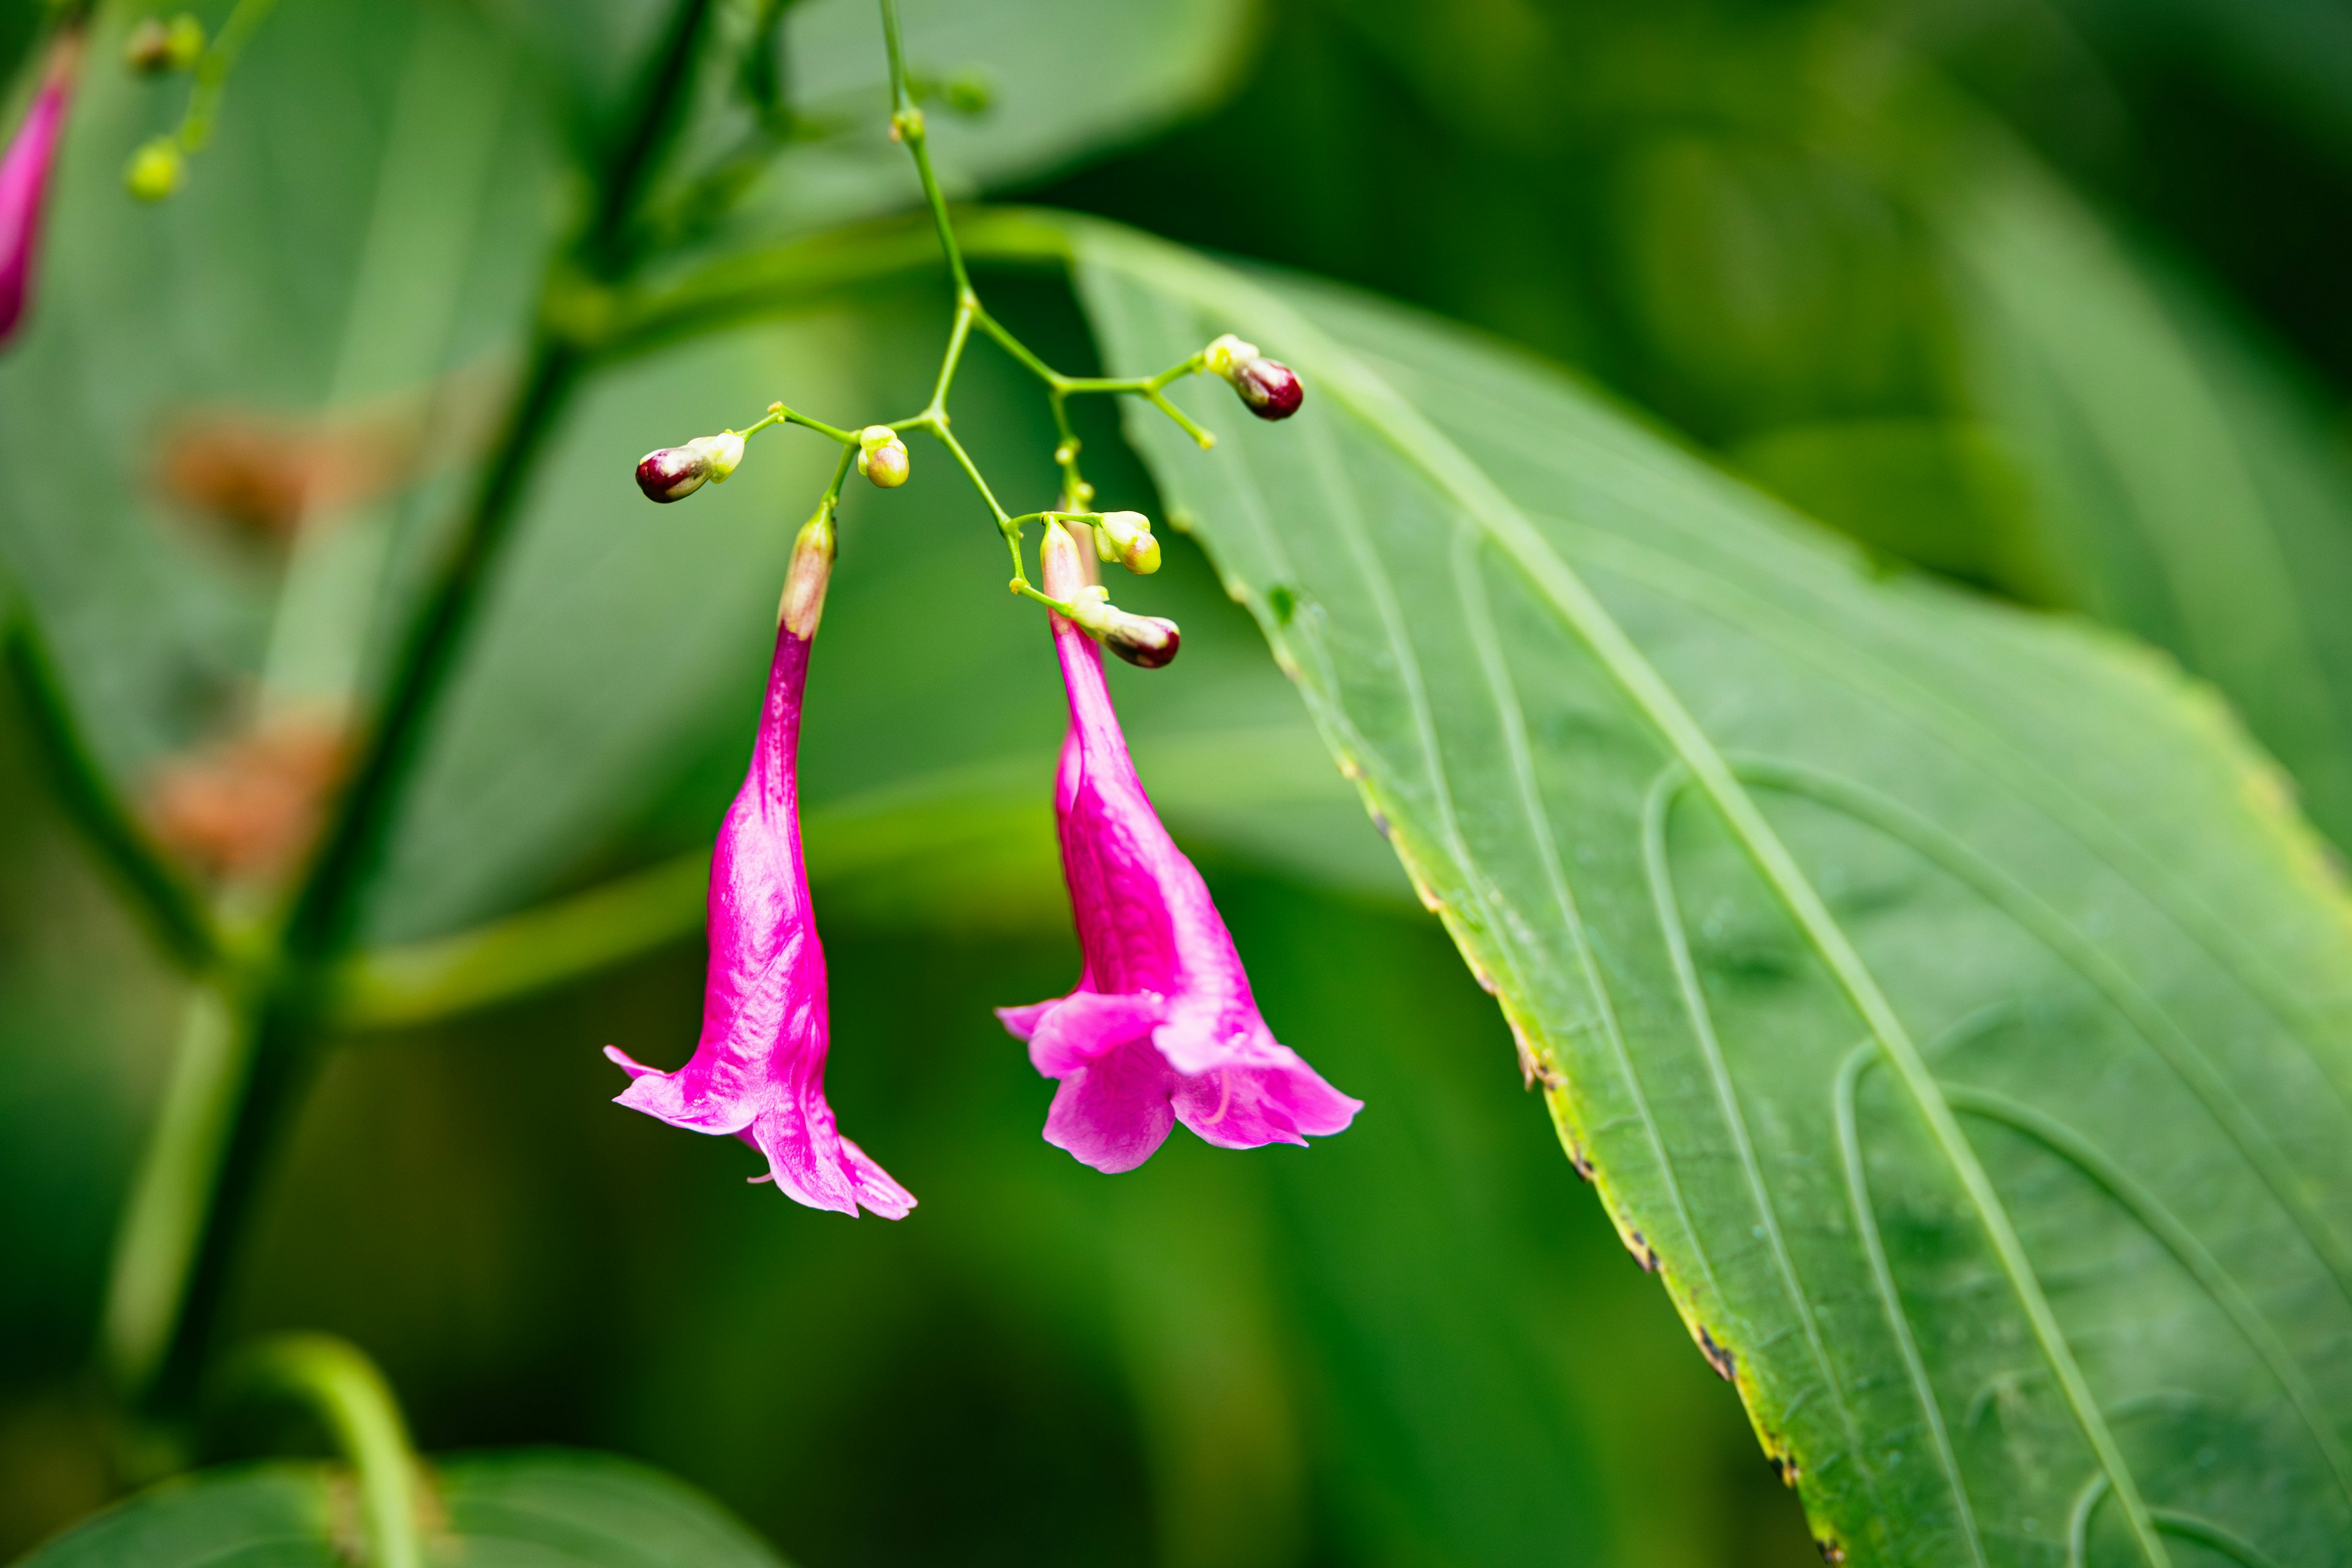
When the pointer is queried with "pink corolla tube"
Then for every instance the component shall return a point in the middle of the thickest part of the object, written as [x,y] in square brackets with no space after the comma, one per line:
[758,1071]
[25,179]
[1162,1028]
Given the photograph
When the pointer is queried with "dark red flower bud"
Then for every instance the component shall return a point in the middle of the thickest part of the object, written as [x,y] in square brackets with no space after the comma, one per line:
[675,472]
[1145,641]
[1269,388]
[672,473]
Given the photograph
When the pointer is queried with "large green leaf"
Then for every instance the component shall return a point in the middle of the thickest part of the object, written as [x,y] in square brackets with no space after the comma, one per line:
[543,1509]
[2187,486]
[1941,996]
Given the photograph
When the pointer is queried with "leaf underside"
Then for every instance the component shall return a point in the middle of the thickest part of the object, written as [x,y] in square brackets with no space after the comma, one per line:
[1944,998]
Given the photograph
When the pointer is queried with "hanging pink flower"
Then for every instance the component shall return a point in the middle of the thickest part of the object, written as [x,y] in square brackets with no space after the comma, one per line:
[758,1071]
[24,176]
[1162,1028]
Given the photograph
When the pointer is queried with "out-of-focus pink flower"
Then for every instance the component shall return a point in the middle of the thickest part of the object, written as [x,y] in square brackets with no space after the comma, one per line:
[24,176]
[758,1071]
[1162,1028]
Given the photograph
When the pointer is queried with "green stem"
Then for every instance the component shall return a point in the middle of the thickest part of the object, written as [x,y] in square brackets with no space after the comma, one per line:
[164,1225]
[326,906]
[662,99]
[907,120]
[352,1401]
[937,426]
[171,908]
[212,69]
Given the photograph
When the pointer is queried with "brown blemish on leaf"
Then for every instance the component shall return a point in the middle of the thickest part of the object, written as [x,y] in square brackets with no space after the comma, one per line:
[1726,1365]
[1535,1066]
[1647,1256]
[1831,1552]
[250,806]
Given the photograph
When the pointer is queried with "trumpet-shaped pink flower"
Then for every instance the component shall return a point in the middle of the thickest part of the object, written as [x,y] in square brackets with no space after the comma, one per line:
[1162,1028]
[759,1069]
[25,177]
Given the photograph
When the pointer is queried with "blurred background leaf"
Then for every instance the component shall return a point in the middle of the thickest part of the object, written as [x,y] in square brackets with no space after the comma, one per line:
[527,1510]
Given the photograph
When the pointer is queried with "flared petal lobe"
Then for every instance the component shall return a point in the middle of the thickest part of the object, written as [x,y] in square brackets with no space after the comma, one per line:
[24,182]
[1162,1026]
[758,1071]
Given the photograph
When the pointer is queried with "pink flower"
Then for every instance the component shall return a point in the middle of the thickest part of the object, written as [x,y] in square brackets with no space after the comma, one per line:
[24,176]
[1162,1028]
[759,1069]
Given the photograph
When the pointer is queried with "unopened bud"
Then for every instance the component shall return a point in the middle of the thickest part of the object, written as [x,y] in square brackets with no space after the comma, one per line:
[156,46]
[1268,388]
[1146,641]
[882,457]
[726,450]
[1228,354]
[1126,537]
[155,170]
[673,473]
[804,581]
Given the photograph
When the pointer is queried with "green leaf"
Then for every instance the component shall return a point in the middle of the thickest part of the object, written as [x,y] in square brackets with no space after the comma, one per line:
[1940,995]
[2186,486]
[531,1509]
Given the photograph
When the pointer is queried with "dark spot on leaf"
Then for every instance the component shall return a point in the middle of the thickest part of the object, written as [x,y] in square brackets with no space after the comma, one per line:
[1643,1253]
[1380,822]
[1283,603]
[1581,1161]
[1831,1552]
[1726,1365]
[1785,1465]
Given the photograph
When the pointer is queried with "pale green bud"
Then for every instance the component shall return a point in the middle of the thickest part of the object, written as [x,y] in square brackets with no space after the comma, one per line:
[1226,356]
[155,170]
[1126,537]
[882,457]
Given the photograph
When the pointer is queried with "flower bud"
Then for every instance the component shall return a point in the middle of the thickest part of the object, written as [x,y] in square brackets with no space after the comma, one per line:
[673,473]
[1228,354]
[726,450]
[155,170]
[812,568]
[156,46]
[882,457]
[1145,641]
[1126,537]
[1268,388]
[25,177]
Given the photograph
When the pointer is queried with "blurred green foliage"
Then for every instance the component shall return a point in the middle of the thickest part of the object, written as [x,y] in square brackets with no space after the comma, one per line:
[1771,224]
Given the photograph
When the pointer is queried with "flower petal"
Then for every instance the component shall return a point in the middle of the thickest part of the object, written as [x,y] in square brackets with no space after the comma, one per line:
[1114,1112]
[1089,1023]
[1022,1022]
[664,1095]
[1279,1103]
[875,1190]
